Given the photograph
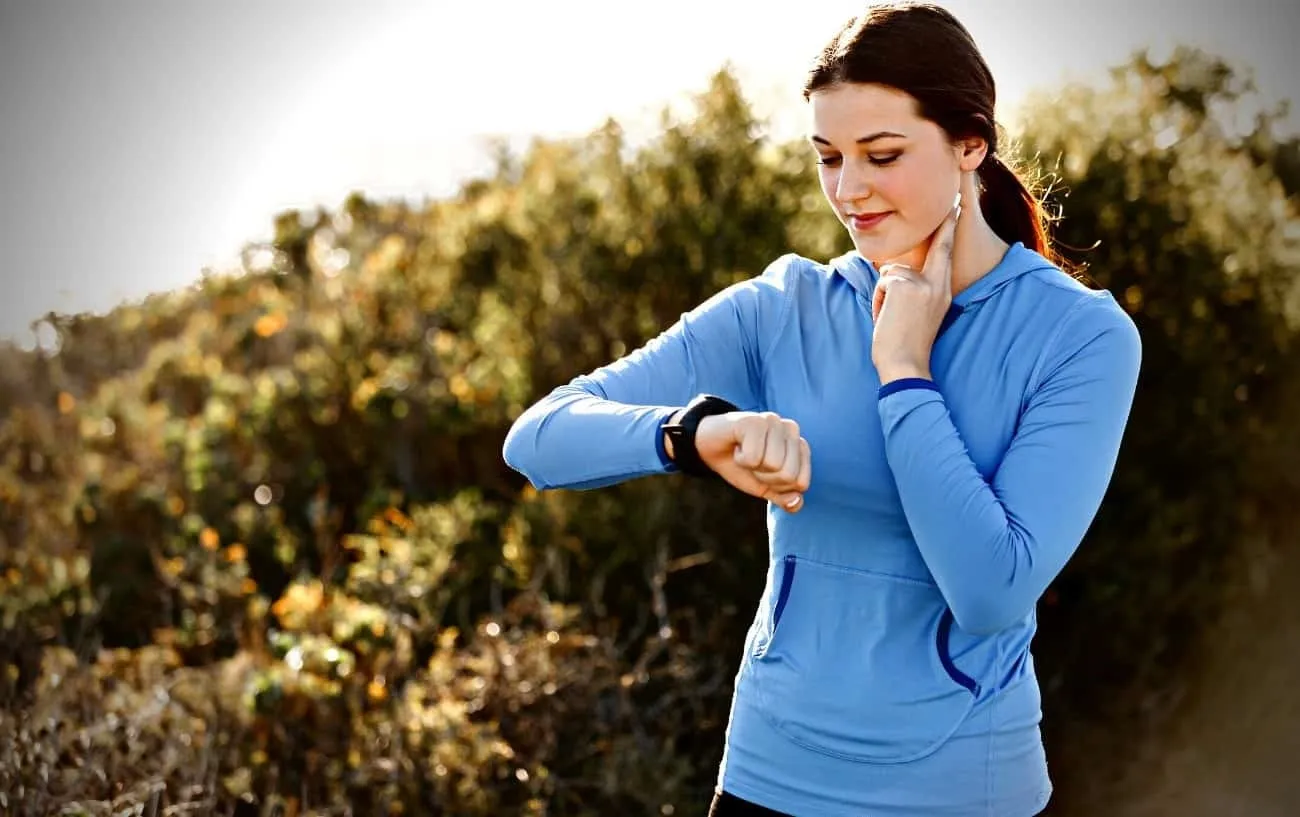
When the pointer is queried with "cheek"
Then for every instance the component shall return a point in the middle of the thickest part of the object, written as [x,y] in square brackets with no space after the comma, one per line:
[920,191]
[829,178]
[903,187]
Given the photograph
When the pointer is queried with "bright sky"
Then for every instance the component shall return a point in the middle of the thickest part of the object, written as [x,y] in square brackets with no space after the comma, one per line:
[143,140]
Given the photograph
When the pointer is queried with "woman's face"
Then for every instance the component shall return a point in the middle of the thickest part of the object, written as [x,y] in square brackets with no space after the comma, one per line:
[889,175]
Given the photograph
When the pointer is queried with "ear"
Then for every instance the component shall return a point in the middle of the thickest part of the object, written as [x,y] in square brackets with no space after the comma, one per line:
[971,153]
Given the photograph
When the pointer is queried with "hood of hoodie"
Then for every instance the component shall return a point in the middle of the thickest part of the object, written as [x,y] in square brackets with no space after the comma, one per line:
[1018,260]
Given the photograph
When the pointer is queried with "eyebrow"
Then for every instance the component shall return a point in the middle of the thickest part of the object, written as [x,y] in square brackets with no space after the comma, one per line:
[884,134]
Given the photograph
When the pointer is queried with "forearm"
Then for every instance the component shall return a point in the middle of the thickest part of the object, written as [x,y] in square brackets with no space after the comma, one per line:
[988,569]
[577,438]
[607,426]
[994,545]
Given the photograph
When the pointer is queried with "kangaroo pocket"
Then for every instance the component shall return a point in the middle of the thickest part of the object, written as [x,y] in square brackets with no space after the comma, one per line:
[854,664]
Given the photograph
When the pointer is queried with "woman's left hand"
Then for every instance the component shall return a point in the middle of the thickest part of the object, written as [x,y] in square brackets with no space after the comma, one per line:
[908,307]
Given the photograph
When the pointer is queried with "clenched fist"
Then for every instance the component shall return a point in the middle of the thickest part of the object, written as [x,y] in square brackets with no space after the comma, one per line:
[760,453]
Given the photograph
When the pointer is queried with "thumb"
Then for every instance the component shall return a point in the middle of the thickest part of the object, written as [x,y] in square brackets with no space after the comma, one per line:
[791,502]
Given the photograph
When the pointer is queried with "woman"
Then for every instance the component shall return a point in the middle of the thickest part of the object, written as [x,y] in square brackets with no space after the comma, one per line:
[933,419]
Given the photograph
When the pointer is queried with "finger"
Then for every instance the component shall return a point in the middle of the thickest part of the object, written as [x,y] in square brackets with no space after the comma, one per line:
[774,487]
[938,259]
[794,452]
[898,274]
[752,451]
[804,479]
[878,298]
[791,502]
[784,479]
[895,270]
[889,273]
[774,450]
[752,439]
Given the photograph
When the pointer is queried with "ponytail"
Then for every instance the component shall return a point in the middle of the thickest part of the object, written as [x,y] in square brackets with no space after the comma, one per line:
[1012,209]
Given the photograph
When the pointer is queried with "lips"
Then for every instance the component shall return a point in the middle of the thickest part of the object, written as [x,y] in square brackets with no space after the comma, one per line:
[866,221]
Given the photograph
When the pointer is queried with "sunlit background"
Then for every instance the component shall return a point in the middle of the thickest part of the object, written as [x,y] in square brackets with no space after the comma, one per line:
[143,141]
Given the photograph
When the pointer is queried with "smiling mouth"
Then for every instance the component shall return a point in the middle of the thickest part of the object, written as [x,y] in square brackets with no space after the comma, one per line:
[866,221]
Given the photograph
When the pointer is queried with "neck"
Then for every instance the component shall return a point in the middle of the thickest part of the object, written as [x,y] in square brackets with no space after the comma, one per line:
[976,248]
[975,253]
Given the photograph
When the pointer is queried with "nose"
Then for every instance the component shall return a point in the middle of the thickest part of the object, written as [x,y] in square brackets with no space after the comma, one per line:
[854,182]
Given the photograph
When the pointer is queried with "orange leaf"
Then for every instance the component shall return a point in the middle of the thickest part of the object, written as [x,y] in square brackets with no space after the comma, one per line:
[209,539]
[268,325]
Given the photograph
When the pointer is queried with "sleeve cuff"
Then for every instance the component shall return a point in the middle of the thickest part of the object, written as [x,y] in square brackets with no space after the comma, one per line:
[905,383]
[902,399]
[668,465]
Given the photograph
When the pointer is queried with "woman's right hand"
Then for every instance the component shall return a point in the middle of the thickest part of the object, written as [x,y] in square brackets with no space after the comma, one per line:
[761,454]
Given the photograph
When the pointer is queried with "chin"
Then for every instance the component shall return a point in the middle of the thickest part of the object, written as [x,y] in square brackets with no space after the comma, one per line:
[879,249]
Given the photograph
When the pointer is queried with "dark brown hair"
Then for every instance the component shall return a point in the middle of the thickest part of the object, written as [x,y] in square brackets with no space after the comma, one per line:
[922,50]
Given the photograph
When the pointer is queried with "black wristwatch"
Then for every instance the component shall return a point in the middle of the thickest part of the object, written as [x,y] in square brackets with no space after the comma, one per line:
[682,433]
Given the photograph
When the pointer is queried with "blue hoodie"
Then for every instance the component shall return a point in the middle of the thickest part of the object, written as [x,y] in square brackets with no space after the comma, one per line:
[890,651]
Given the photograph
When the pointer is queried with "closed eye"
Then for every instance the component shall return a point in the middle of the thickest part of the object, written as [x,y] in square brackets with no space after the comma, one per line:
[878,161]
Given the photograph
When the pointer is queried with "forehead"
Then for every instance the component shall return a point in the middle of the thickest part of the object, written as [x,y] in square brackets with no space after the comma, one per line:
[850,111]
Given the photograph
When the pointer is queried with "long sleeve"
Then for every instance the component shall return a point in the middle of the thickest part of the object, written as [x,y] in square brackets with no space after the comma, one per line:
[994,546]
[604,427]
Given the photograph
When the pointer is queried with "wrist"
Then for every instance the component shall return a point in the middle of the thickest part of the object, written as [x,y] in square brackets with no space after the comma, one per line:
[680,433]
[902,370]
[675,418]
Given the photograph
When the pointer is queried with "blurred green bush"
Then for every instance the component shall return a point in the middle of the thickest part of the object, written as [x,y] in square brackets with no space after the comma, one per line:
[259,553]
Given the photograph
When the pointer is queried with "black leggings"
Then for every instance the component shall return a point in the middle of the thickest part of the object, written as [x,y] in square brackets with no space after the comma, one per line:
[729,805]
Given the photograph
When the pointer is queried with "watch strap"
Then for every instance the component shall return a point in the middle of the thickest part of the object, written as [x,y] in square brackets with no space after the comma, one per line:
[682,433]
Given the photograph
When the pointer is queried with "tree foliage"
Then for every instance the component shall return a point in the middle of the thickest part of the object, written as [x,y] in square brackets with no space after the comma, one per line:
[259,549]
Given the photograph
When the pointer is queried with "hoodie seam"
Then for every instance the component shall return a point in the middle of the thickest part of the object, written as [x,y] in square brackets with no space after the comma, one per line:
[787,307]
[990,769]
[1049,346]
[1063,286]
[1012,279]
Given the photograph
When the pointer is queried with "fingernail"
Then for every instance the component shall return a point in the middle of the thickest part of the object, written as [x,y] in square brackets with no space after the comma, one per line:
[794,503]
